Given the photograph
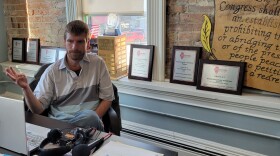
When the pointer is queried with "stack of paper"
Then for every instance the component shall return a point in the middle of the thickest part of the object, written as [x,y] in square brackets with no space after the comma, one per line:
[119,149]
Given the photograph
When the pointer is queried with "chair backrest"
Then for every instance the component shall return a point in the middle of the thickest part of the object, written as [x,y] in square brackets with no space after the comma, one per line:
[37,76]
[34,83]
[111,119]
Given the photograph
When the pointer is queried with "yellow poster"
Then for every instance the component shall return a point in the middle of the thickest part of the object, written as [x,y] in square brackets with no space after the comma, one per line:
[249,31]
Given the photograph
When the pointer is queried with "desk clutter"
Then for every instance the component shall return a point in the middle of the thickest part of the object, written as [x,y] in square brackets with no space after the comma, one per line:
[82,142]
[86,142]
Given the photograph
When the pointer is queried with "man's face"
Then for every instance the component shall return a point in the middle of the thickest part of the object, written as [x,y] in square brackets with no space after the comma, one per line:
[76,46]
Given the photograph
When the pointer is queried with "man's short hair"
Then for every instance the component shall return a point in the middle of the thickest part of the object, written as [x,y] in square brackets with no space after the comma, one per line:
[77,27]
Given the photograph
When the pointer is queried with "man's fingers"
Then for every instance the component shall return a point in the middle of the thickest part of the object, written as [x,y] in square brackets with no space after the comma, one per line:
[8,70]
[11,76]
[21,76]
[13,71]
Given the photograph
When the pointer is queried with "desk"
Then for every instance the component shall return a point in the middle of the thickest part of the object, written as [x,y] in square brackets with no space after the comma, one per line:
[52,123]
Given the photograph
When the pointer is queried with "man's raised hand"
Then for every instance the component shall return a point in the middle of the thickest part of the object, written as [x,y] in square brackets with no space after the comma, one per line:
[19,78]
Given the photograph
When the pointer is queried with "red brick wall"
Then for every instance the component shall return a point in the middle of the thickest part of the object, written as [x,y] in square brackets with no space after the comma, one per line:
[47,20]
[15,20]
[184,20]
[42,19]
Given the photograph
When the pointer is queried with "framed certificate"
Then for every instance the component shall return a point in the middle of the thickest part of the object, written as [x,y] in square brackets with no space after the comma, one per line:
[221,76]
[184,64]
[48,55]
[141,62]
[18,49]
[61,52]
[32,51]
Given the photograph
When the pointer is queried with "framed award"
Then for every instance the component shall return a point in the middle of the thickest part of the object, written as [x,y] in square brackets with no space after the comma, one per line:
[184,64]
[18,49]
[47,55]
[221,76]
[32,51]
[141,62]
[61,52]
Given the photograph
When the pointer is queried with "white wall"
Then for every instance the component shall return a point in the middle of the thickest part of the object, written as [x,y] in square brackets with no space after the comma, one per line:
[249,122]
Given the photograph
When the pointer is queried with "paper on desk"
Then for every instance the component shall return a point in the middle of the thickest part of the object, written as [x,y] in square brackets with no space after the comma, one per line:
[119,149]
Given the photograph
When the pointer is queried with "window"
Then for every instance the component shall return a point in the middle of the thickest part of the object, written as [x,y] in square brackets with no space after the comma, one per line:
[155,30]
[134,27]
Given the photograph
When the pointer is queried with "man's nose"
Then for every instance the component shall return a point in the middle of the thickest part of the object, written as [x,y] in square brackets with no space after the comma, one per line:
[75,45]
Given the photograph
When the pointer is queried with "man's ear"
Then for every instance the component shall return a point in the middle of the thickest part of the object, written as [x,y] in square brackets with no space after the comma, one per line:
[88,44]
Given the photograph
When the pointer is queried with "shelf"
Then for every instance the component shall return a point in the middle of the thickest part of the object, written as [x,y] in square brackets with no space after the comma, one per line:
[252,102]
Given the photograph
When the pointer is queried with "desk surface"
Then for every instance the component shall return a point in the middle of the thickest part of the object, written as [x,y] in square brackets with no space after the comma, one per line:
[52,123]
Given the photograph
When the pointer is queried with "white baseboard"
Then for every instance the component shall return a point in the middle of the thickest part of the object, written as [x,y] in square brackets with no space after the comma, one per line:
[188,140]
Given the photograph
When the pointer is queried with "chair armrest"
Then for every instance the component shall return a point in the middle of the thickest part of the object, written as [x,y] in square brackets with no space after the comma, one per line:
[114,120]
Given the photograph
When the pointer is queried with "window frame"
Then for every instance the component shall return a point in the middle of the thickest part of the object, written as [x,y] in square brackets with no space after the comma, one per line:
[156,20]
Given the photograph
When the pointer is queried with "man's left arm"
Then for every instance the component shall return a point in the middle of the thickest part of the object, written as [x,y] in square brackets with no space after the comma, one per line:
[103,107]
[106,92]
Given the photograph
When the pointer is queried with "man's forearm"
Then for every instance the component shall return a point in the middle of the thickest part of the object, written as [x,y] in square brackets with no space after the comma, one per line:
[103,107]
[32,102]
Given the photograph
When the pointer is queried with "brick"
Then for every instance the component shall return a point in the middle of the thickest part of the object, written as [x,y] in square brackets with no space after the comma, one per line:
[13,19]
[33,25]
[35,19]
[176,9]
[61,5]
[172,35]
[39,5]
[185,36]
[174,18]
[191,18]
[56,12]
[20,7]
[48,19]
[19,13]
[23,25]
[192,1]
[12,31]
[38,12]
[32,1]
[22,19]
[201,9]
[177,2]
[181,27]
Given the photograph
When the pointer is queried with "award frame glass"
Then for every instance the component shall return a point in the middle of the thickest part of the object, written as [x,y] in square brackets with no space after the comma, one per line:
[221,76]
[18,49]
[48,54]
[141,62]
[32,51]
[184,65]
[61,52]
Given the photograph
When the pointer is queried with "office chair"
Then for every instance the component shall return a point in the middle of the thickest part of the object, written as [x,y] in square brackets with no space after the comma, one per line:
[111,119]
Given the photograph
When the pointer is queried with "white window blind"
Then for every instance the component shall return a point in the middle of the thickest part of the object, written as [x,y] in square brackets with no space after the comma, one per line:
[92,7]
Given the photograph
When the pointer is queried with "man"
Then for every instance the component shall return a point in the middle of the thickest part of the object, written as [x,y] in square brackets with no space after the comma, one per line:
[72,86]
